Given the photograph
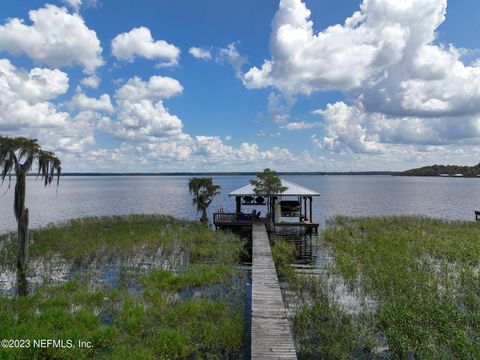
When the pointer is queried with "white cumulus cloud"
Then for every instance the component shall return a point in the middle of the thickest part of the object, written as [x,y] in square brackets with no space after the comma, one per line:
[27,108]
[55,37]
[350,129]
[405,88]
[83,102]
[156,88]
[139,42]
[141,113]
[200,53]
[141,118]
[339,57]
[91,81]
[24,97]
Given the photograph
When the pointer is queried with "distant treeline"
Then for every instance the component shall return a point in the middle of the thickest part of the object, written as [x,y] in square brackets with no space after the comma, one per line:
[232,173]
[439,170]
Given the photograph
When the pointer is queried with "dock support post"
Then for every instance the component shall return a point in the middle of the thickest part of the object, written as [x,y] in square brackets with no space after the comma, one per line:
[238,201]
[311,209]
[305,206]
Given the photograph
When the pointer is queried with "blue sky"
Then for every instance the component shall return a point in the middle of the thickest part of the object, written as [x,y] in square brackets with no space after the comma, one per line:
[397,87]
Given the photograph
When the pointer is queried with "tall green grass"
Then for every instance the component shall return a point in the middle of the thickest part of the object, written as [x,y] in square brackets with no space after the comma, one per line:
[148,315]
[417,283]
[82,241]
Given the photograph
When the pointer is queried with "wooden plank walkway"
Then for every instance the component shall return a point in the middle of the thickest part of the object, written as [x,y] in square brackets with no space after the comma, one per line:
[271,334]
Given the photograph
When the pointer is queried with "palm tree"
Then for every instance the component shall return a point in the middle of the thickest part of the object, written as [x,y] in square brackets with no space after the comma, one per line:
[203,191]
[18,155]
[268,183]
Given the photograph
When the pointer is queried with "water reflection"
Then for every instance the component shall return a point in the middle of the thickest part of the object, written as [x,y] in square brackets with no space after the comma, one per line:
[306,246]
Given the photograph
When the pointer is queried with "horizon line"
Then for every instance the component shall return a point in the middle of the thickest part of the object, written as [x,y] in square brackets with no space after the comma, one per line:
[179,173]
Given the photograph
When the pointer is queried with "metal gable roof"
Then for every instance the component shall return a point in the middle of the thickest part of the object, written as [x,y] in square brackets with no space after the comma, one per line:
[292,190]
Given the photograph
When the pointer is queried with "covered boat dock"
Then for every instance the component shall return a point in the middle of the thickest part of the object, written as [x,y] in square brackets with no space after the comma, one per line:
[291,208]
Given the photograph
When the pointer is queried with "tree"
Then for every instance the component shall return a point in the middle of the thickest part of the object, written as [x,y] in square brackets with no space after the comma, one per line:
[19,155]
[268,183]
[203,191]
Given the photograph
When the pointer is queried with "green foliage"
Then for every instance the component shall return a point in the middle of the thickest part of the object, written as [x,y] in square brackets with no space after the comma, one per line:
[19,154]
[422,274]
[203,191]
[268,183]
[196,275]
[414,282]
[154,319]
[102,239]
[321,327]
[436,170]
[325,331]
[283,253]
[56,313]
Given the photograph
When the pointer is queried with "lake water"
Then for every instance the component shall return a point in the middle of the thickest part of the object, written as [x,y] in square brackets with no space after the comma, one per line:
[447,198]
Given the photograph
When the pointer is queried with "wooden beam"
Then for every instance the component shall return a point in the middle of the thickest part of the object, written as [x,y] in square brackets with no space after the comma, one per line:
[300,203]
[311,219]
[305,206]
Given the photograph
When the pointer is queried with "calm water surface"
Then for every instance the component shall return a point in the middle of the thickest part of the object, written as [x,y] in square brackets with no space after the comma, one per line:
[447,198]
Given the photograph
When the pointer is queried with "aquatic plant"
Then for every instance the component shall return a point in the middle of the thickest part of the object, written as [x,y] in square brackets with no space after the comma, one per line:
[18,155]
[283,253]
[421,277]
[190,309]
[195,275]
[91,240]
[323,330]
[422,274]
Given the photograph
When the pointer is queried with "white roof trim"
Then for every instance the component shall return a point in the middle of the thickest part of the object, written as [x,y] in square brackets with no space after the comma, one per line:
[292,190]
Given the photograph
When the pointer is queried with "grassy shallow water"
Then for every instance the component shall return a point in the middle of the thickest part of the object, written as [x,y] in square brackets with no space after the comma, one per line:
[414,284]
[136,287]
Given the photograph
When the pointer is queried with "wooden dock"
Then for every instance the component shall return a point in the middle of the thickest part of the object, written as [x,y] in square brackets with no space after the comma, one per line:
[234,221]
[271,334]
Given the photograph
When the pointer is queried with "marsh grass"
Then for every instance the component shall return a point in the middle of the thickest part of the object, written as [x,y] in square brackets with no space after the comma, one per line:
[82,241]
[423,276]
[193,276]
[144,315]
[283,253]
[321,327]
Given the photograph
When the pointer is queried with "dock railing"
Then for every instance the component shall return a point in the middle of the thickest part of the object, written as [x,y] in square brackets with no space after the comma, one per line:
[222,219]
[232,219]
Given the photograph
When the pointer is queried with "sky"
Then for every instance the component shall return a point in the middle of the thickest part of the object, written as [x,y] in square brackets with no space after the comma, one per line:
[223,85]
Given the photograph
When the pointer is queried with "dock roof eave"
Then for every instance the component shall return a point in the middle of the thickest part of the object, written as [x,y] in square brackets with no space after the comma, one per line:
[292,190]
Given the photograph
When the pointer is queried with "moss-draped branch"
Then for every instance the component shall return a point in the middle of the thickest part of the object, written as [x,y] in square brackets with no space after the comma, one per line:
[20,154]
